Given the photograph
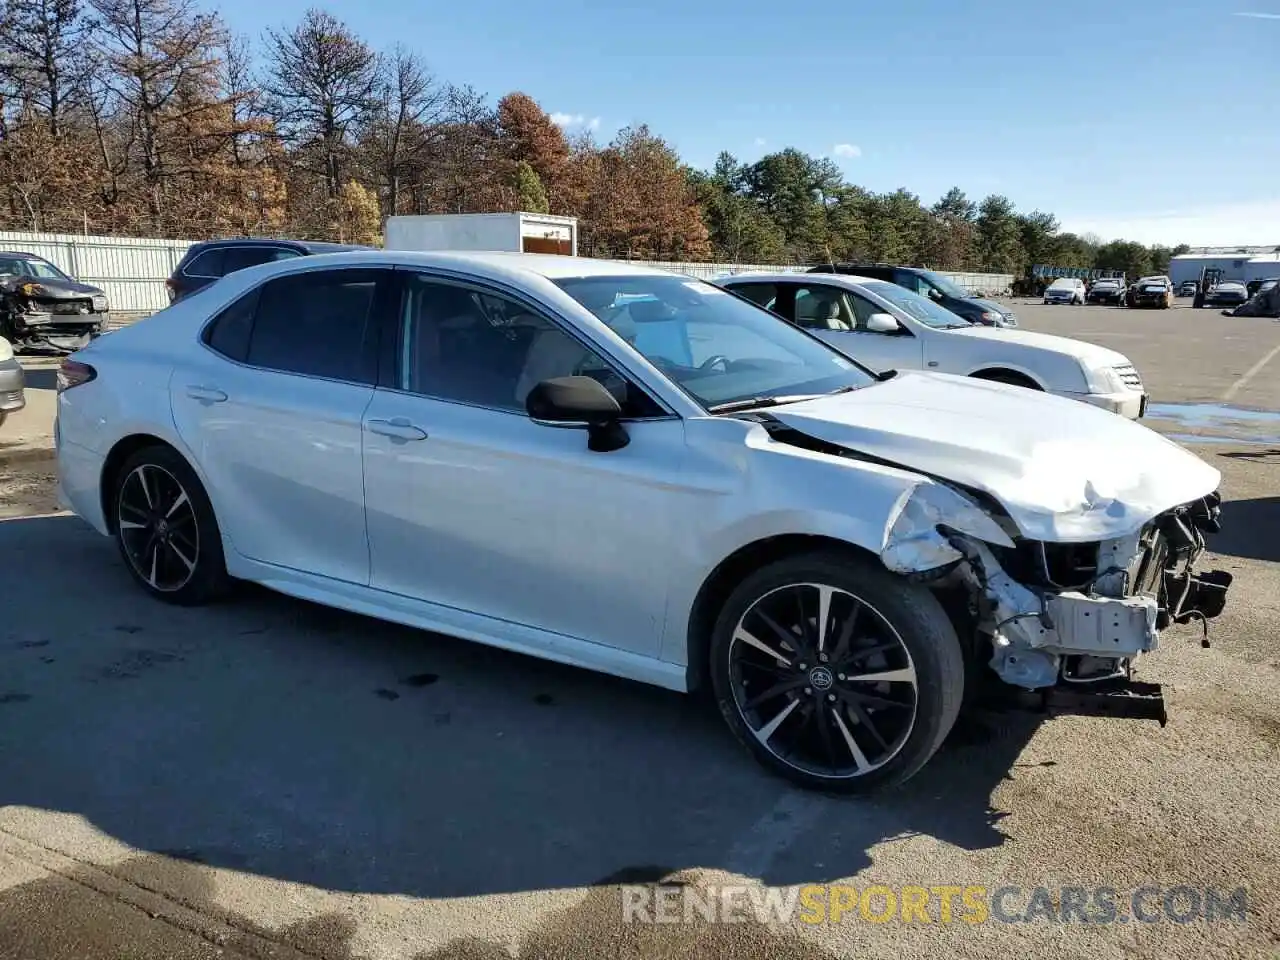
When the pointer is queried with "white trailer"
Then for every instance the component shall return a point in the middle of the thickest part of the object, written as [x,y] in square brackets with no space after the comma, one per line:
[512,232]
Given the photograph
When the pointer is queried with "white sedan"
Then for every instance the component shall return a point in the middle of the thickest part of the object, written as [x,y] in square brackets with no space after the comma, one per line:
[637,473]
[888,327]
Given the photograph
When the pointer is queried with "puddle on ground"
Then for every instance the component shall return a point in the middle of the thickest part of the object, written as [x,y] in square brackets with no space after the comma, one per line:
[1218,423]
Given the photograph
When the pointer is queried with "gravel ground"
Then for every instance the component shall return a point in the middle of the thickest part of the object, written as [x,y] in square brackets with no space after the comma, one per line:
[267,778]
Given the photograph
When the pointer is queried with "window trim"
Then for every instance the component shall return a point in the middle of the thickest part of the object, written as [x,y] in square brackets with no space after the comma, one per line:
[371,344]
[390,374]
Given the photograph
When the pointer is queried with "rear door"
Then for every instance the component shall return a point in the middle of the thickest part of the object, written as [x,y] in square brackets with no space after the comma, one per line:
[272,410]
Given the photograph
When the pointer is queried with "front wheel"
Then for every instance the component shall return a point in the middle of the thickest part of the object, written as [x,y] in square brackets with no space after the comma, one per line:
[836,674]
[166,529]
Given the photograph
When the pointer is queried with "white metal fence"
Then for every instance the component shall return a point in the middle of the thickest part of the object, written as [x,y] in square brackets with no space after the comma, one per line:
[132,270]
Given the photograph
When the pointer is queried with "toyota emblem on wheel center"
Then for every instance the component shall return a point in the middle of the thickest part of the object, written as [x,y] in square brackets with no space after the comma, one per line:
[820,678]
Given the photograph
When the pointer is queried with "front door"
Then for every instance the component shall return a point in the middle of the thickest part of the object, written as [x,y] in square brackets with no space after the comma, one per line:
[474,506]
[272,414]
[839,316]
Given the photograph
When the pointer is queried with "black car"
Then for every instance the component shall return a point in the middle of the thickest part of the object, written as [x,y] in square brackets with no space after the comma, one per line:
[42,307]
[1151,292]
[936,287]
[1106,290]
[1253,286]
[208,261]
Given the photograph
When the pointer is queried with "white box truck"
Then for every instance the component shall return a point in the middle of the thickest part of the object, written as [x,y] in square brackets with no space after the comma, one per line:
[511,232]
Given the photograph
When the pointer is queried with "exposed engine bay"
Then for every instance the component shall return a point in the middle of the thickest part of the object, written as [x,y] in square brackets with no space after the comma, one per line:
[61,315]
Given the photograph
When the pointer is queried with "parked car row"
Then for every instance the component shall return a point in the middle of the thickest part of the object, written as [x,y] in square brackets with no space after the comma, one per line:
[887,327]
[841,552]
[946,293]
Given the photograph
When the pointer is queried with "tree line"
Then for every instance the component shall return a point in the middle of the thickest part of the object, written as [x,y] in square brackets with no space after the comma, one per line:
[150,118]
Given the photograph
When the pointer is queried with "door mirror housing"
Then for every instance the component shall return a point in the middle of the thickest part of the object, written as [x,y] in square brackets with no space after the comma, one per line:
[579,402]
[883,323]
[935,293]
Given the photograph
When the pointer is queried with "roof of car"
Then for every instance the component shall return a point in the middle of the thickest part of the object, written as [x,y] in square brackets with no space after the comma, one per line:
[510,267]
[311,246]
[22,255]
[783,275]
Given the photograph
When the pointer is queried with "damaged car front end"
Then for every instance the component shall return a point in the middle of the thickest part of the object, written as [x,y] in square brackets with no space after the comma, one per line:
[1061,624]
[42,308]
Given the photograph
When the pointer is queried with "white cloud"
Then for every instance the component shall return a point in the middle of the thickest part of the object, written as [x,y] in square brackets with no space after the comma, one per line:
[1258,16]
[1247,224]
[849,150]
[761,141]
[575,120]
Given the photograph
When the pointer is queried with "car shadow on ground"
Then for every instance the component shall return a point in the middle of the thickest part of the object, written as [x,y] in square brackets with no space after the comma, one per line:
[292,741]
[1250,529]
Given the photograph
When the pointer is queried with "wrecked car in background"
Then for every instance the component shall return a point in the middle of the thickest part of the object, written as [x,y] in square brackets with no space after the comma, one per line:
[42,307]
[644,475]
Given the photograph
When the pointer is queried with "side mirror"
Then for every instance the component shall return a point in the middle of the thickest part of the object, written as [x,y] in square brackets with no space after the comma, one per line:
[882,323]
[935,293]
[579,402]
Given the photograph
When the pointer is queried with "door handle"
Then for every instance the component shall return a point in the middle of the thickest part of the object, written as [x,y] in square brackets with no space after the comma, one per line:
[398,429]
[205,394]
[933,363]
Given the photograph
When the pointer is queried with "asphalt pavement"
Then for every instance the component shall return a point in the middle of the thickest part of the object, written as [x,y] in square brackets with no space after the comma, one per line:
[270,778]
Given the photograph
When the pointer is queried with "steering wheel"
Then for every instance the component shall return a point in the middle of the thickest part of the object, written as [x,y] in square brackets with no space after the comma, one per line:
[711,361]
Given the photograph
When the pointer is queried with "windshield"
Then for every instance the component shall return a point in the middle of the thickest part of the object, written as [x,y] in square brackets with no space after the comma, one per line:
[946,286]
[915,306]
[22,267]
[723,351]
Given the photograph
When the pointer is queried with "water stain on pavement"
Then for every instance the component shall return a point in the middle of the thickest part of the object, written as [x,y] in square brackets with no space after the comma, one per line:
[421,680]
[1218,423]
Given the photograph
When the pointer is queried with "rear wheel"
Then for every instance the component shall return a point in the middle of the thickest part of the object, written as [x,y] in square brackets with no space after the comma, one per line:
[166,529]
[836,674]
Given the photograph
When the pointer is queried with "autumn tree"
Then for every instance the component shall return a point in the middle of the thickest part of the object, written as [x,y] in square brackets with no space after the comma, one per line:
[321,79]
[157,52]
[42,57]
[526,134]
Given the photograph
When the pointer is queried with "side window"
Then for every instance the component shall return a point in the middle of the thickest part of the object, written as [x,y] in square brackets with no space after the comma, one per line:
[763,294]
[237,258]
[911,281]
[207,264]
[230,331]
[319,324]
[464,345]
[862,309]
[822,308]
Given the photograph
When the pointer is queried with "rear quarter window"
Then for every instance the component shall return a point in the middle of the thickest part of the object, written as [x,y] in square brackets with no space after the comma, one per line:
[206,263]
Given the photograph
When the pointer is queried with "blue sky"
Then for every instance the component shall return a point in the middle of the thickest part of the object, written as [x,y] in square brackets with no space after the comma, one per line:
[1091,111]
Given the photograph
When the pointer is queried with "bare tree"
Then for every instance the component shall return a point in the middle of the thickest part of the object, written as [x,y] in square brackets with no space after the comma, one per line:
[320,80]
[410,105]
[42,55]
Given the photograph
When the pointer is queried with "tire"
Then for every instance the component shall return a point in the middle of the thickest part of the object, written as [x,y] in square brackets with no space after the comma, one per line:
[1012,379]
[857,736]
[184,564]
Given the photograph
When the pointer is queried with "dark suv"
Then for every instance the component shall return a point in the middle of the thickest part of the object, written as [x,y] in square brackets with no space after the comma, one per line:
[936,287]
[206,262]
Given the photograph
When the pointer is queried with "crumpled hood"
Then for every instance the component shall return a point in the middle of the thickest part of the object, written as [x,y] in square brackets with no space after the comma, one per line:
[54,289]
[1064,471]
[1090,352]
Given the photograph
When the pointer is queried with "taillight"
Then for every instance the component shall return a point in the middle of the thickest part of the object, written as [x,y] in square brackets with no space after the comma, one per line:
[72,373]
